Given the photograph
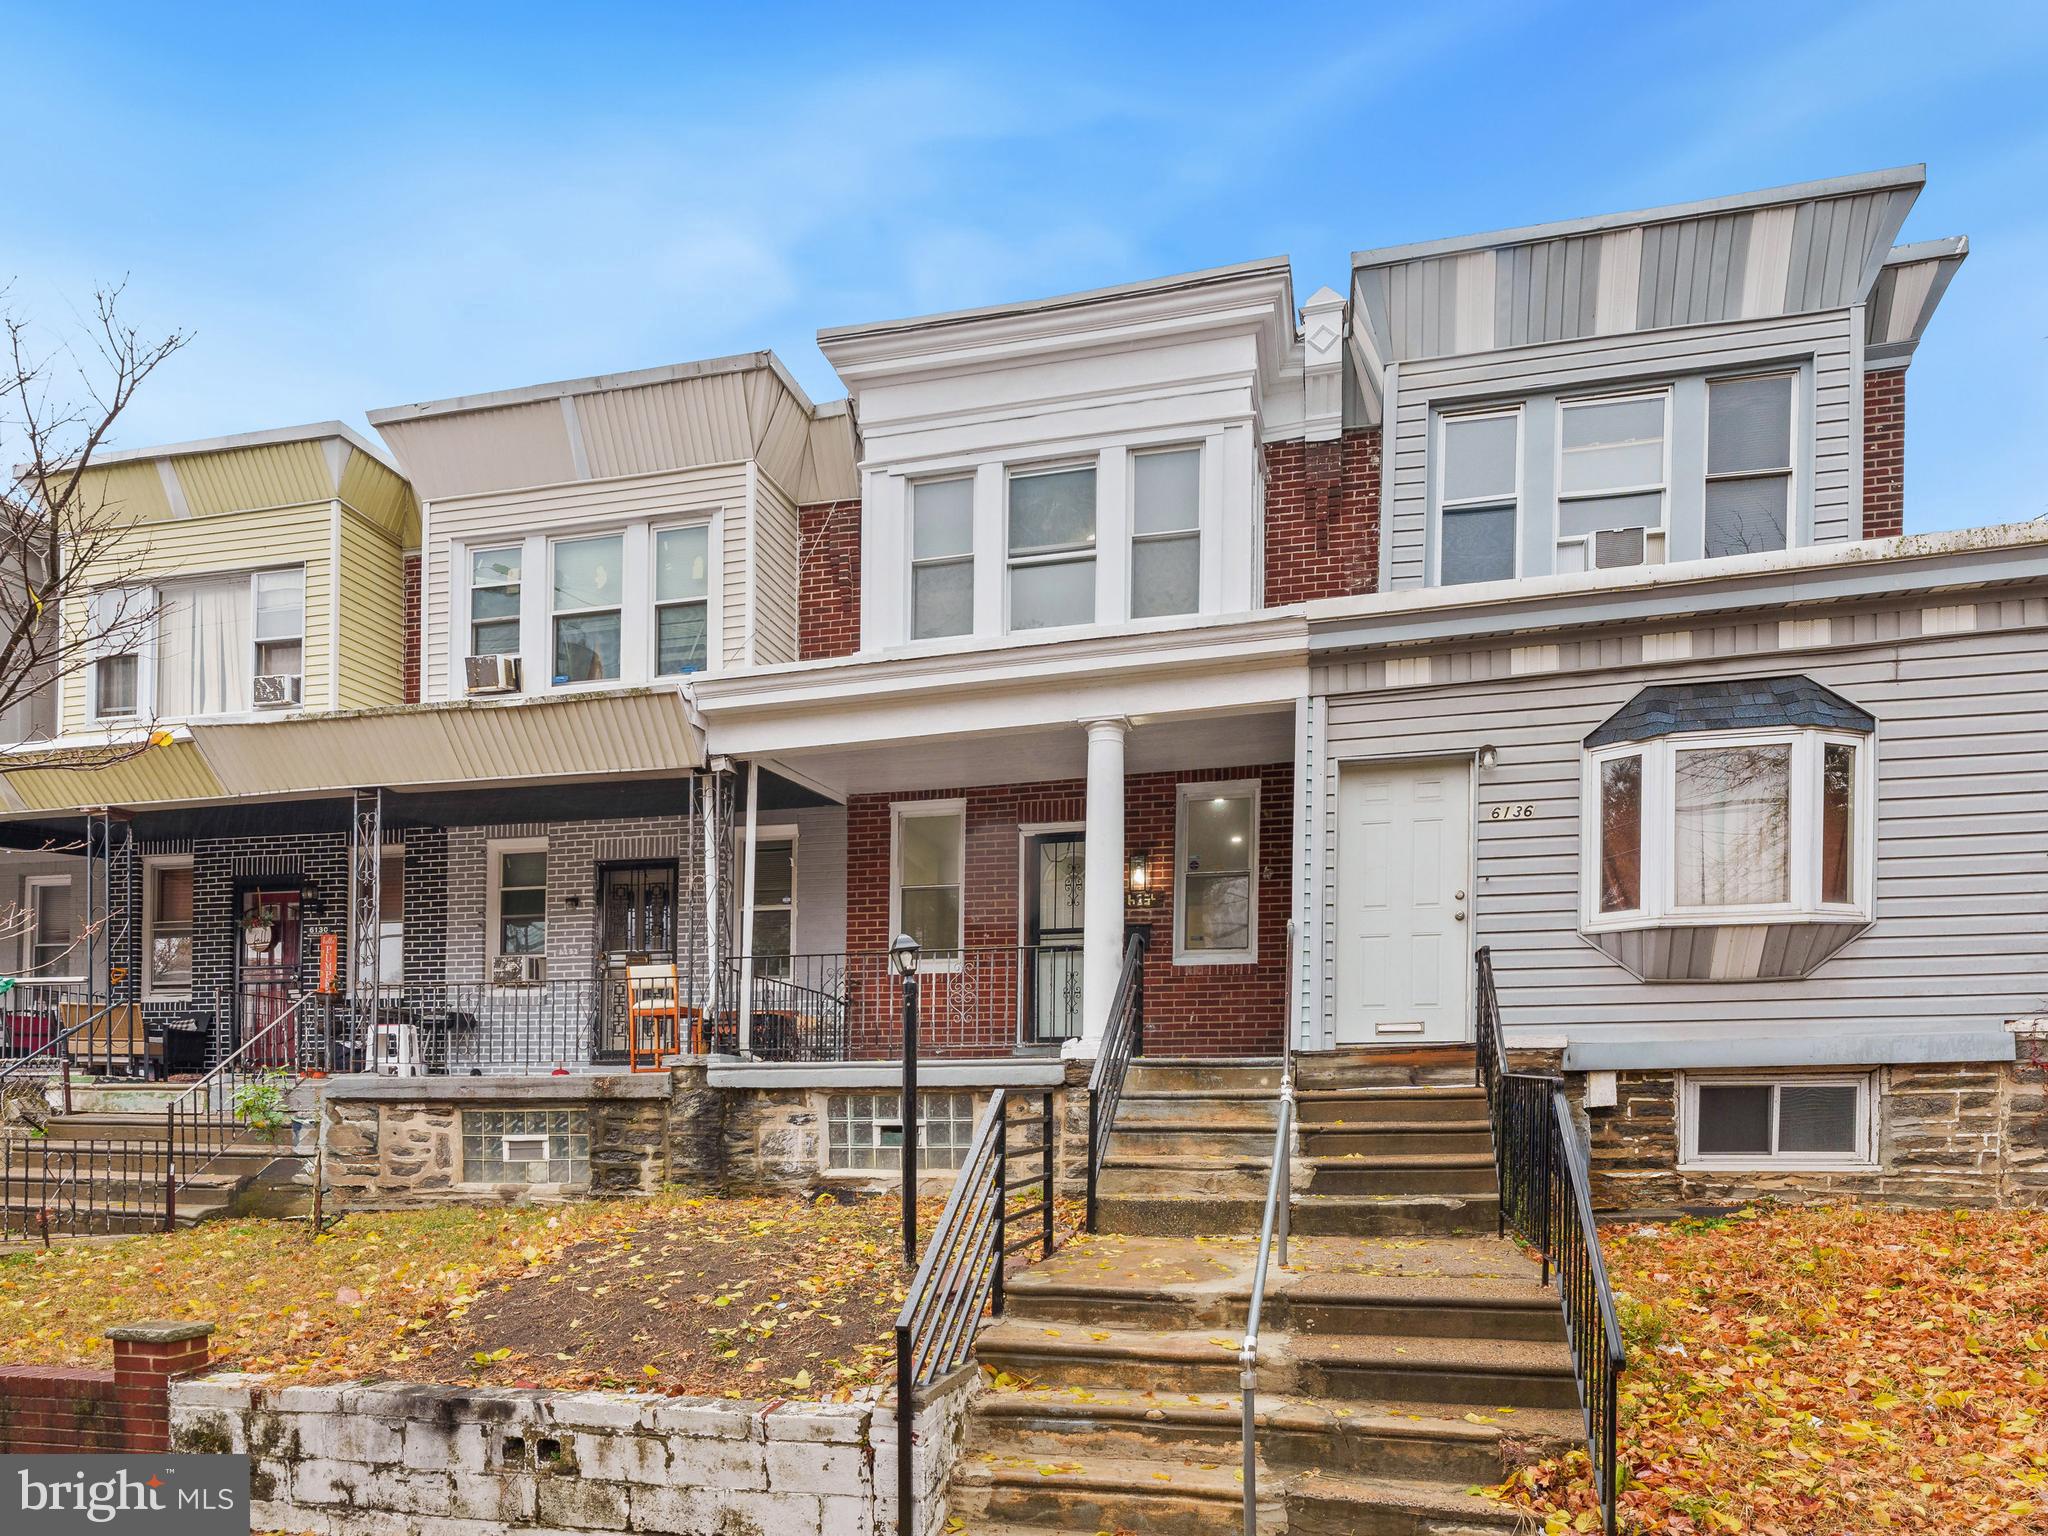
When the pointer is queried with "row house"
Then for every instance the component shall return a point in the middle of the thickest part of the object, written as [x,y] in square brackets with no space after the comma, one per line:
[1176,648]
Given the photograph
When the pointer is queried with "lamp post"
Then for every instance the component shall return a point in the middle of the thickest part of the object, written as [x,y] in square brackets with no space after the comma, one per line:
[903,961]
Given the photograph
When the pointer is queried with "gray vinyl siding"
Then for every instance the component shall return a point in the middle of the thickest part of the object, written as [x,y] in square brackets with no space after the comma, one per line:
[1960,937]
[1822,345]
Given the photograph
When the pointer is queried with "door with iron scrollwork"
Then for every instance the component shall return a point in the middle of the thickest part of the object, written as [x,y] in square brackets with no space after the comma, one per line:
[1054,886]
[636,925]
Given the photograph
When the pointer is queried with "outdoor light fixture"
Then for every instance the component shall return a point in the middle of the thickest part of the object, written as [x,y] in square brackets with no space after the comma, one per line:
[1140,873]
[1489,756]
[903,955]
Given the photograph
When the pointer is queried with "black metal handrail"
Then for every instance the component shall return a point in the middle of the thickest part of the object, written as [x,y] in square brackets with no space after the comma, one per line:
[54,1057]
[205,1120]
[1122,1038]
[961,1273]
[1546,1200]
[67,1188]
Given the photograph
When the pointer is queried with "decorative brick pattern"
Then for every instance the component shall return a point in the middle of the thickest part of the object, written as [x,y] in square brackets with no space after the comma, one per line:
[1884,453]
[828,580]
[412,628]
[1322,517]
[51,1408]
[1189,1009]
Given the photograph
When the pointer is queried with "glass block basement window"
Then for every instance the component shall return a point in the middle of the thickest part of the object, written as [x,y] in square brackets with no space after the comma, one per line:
[864,1131]
[525,1146]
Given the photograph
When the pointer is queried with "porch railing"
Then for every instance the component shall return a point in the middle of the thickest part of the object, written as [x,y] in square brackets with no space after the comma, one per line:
[1546,1200]
[474,1029]
[1122,1038]
[961,1273]
[212,1115]
[989,1000]
[51,1188]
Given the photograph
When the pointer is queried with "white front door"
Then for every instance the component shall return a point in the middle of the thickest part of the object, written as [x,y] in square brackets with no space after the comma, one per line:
[1404,859]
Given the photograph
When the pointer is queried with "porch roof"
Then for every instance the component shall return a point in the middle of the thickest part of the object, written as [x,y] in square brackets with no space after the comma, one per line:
[603,736]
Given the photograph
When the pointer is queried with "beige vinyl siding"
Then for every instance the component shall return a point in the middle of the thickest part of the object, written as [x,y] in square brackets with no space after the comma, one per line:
[1962,816]
[578,506]
[496,450]
[775,573]
[372,617]
[231,542]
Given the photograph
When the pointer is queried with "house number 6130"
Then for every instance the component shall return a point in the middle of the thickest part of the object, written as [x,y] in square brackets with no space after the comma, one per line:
[1523,812]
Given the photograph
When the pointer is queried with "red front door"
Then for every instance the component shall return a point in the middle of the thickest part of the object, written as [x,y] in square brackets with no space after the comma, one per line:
[267,968]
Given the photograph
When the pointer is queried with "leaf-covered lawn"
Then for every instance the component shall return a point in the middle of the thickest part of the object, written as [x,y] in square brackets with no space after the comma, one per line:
[737,1297]
[1829,1370]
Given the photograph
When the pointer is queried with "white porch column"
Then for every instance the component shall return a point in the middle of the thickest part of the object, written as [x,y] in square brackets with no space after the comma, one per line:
[1102,925]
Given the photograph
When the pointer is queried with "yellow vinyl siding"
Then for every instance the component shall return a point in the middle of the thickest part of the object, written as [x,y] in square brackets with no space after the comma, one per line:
[382,497]
[372,612]
[131,490]
[270,475]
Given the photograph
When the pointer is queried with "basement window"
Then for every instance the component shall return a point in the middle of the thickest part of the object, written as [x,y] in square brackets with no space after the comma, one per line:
[526,1146]
[1764,1122]
[864,1131]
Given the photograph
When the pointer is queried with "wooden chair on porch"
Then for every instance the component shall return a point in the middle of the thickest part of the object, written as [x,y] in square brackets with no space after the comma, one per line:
[116,1040]
[655,1015]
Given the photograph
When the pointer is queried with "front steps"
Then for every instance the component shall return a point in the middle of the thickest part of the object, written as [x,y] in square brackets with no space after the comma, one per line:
[105,1171]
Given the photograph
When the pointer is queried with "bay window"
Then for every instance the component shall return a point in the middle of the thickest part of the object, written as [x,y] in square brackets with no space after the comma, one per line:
[1610,481]
[928,856]
[682,599]
[1749,464]
[1051,521]
[1166,533]
[941,558]
[1729,825]
[1478,496]
[587,601]
[494,601]
[1216,873]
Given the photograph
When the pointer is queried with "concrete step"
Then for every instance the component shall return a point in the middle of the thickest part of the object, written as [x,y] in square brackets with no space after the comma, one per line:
[131,1127]
[1157,1074]
[1343,1505]
[1094,1492]
[1174,1139]
[1413,1066]
[36,1153]
[1371,1106]
[1229,1110]
[1465,1173]
[1395,1215]
[1472,1373]
[1154,1215]
[1184,1176]
[1414,1138]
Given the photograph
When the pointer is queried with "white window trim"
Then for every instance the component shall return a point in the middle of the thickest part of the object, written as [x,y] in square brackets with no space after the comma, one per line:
[577,536]
[1441,454]
[1864,1159]
[713,586]
[1659,907]
[256,642]
[1066,556]
[899,812]
[29,886]
[1661,533]
[783,833]
[494,873]
[1209,789]
[1791,473]
[151,863]
[912,564]
[467,554]
[1135,538]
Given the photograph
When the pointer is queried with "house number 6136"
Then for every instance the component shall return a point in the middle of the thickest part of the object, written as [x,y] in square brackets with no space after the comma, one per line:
[1523,812]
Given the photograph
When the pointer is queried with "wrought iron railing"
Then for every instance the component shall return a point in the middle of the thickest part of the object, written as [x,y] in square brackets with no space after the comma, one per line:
[1122,1038]
[52,1188]
[253,1081]
[476,1029]
[961,1274]
[81,1032]
[1546,1200]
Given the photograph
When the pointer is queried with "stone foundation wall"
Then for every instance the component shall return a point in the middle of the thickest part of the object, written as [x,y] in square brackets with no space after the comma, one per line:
[459,1461]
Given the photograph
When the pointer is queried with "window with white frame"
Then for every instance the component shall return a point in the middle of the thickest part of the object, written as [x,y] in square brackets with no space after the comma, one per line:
[52,951]
[929,855]
[280,623]
[587,599]
[215,634]
[494,586]
[167,927]
[115,630]
[1051,522]
[1479,477]
[1216,873]
[1744,1122]
[941,558]
[864,1131]
[1611,475]
[682,599]
[1729,826]
[518,915]
[1166,532]
[1749,464]
[774,905]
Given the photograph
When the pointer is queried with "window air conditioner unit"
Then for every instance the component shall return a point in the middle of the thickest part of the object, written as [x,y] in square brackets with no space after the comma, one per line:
[491,674]
[275,690]
[519,970]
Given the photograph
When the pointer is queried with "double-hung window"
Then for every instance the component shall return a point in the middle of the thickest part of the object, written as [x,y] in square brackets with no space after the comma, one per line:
[1478,496]
[518,899]
[1216,873]
[214,635]
[494,601]
[167,926]
[1749,464]
[1611,481]
[51,950]
[941,558]
[115,631]
[682,599]
[587,597]
[1052,547]
[930,854]
[1166,532]
[280,624]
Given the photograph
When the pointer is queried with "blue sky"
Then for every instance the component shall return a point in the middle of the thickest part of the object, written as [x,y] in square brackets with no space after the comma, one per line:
[364,205]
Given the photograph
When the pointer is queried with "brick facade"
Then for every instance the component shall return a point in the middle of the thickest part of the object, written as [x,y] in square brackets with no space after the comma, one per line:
[48,1409]
[1322,518]
[1189,1009]
[828,580]
[412,628]
[1884,453]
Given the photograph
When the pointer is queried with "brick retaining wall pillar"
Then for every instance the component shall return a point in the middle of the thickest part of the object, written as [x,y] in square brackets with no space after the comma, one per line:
[147,1356]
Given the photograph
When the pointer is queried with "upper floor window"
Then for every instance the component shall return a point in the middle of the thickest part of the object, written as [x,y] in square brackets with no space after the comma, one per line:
[1166,533]
[1479,496]
[494,602]
[1610,481]
[587,598]
[213,639]
[1749,464]
[1052,547]
[682,599]
[280,622]
[117,678]
[941,558]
